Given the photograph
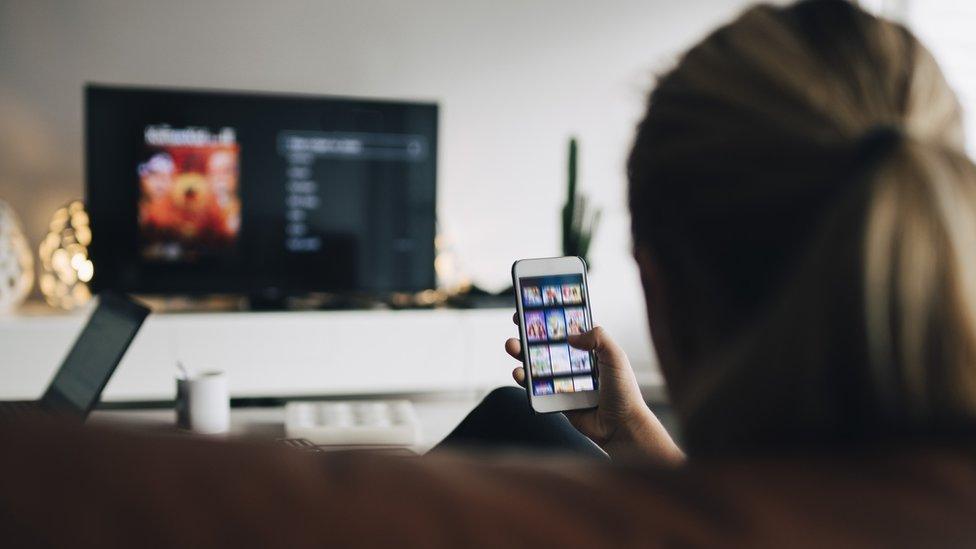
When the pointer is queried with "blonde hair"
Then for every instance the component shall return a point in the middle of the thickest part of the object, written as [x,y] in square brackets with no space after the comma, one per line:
[800,183]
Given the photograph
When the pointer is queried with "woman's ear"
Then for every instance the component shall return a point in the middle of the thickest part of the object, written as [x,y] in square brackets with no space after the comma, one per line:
[650,278]
[658,316]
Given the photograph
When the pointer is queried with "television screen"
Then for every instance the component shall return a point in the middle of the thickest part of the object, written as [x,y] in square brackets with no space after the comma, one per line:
[194,192]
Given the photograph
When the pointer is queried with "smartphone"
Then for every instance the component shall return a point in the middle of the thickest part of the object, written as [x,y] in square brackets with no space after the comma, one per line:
[553,302]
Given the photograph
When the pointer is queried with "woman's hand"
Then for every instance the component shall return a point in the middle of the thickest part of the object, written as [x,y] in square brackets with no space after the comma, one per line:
[622,424]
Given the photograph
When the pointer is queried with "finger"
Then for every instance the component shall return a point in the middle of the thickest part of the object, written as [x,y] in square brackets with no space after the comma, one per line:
[592,340]
[587,341]
[575,416]
[584,420]
[515,318]
[600,342]
[514,348]
[616,374]
[519,375]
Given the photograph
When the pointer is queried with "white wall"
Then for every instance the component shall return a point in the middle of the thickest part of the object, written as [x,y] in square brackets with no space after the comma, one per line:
[514,79]
[946,28]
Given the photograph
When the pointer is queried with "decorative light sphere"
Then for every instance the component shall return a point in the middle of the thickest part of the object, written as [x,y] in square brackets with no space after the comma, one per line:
[16,261]
[66,268]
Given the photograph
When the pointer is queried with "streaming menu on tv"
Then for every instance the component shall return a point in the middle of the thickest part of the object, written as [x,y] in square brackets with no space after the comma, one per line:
[554,308]
[306,171]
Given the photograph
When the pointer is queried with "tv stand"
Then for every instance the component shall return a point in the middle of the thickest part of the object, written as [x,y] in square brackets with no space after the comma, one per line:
[277,353]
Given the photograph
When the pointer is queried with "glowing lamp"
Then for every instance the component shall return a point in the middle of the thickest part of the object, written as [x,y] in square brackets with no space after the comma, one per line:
[66,268]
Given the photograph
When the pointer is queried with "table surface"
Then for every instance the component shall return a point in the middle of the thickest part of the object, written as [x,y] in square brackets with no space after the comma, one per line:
[437,417]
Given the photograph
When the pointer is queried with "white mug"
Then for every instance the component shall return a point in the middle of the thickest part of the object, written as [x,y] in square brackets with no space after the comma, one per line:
[203,403]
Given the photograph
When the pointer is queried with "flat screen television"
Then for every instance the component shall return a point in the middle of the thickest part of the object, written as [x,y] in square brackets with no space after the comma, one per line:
[212,192]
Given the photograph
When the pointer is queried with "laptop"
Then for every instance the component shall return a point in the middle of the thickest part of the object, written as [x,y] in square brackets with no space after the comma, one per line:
[78,384]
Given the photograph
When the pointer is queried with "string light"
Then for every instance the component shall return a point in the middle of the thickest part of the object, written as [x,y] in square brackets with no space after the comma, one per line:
[66,268]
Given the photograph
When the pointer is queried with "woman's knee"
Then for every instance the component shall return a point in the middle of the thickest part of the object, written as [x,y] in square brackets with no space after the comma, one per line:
[506,397]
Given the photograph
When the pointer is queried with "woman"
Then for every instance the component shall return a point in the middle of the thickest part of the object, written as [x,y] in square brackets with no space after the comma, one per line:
[804,219]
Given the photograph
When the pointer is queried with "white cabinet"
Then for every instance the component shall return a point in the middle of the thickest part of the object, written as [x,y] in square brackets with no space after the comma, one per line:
[278,353]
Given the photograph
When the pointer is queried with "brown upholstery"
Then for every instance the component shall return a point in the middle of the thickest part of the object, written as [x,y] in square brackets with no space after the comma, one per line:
[68,486]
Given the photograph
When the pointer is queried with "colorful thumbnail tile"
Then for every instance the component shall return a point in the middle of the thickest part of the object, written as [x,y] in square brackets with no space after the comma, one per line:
[556,324]
[575,320]
[583,383]
[579,360]
[531,296]
[572,293]
[552,295]
[535,326]
[542,387]
[559,359]
[563,385]
[539,360]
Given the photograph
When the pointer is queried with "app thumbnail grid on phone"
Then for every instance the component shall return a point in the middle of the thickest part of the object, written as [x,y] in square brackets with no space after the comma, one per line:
[554,308]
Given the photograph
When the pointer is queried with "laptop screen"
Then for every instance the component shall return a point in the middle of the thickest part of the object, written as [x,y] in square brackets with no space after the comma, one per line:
[77,386]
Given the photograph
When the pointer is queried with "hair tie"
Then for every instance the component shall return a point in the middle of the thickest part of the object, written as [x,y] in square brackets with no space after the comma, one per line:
[877,142]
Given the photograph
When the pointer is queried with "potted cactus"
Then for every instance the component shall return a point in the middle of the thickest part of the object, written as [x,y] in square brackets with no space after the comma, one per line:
[579,224]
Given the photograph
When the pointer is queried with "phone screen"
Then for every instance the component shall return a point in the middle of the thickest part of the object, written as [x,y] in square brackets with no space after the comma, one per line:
[554,307]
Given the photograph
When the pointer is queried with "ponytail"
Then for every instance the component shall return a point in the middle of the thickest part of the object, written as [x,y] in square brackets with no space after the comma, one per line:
[919,267]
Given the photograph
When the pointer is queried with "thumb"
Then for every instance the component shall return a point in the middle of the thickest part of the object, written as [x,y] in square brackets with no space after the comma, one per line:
[598,341]
[619,391]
